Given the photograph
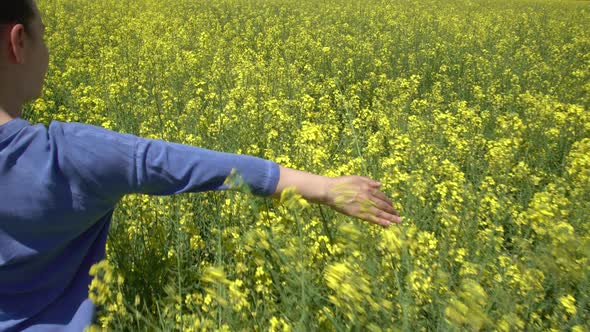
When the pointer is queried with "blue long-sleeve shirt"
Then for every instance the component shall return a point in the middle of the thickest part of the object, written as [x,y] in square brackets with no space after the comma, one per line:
[58,188]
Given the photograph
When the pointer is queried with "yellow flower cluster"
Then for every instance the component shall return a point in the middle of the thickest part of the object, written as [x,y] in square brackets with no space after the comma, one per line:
[467,309]
[105,291]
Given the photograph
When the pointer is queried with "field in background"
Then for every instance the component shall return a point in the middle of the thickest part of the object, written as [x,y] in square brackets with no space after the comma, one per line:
[473,114]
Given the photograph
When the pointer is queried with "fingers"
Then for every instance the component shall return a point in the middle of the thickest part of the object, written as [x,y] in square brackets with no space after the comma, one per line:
[376,193]
[382,205]
[372,210]
[384,202]
[373,183]
[360,197]
[382,214]
[373,218]
[379,217]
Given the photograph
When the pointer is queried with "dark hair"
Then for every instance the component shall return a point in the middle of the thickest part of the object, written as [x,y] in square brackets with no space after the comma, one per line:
[16,11]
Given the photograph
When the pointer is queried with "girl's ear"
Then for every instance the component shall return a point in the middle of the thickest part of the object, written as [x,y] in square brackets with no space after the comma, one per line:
[16,44]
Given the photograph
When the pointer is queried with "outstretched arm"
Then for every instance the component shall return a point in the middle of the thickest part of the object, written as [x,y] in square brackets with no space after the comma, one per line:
[111,164]
[356,196]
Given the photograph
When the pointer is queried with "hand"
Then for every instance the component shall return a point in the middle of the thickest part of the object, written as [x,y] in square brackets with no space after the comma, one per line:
[359,197]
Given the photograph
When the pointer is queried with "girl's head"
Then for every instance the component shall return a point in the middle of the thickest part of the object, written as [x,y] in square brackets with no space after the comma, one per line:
[17,11]
[23,54]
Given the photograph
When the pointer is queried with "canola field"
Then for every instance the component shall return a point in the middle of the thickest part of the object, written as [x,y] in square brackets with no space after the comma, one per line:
[473,114]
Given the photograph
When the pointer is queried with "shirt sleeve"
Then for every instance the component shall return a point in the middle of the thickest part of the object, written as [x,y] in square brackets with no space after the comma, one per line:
[112,164]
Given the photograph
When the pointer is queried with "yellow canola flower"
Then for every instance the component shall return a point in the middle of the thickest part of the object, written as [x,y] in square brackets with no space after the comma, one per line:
[467,307]
[569,304]
[214,274]
[279,325]
[391,241]
[292,200]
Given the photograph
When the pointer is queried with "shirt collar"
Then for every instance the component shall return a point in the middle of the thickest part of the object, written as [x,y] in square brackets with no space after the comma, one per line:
[12,126]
